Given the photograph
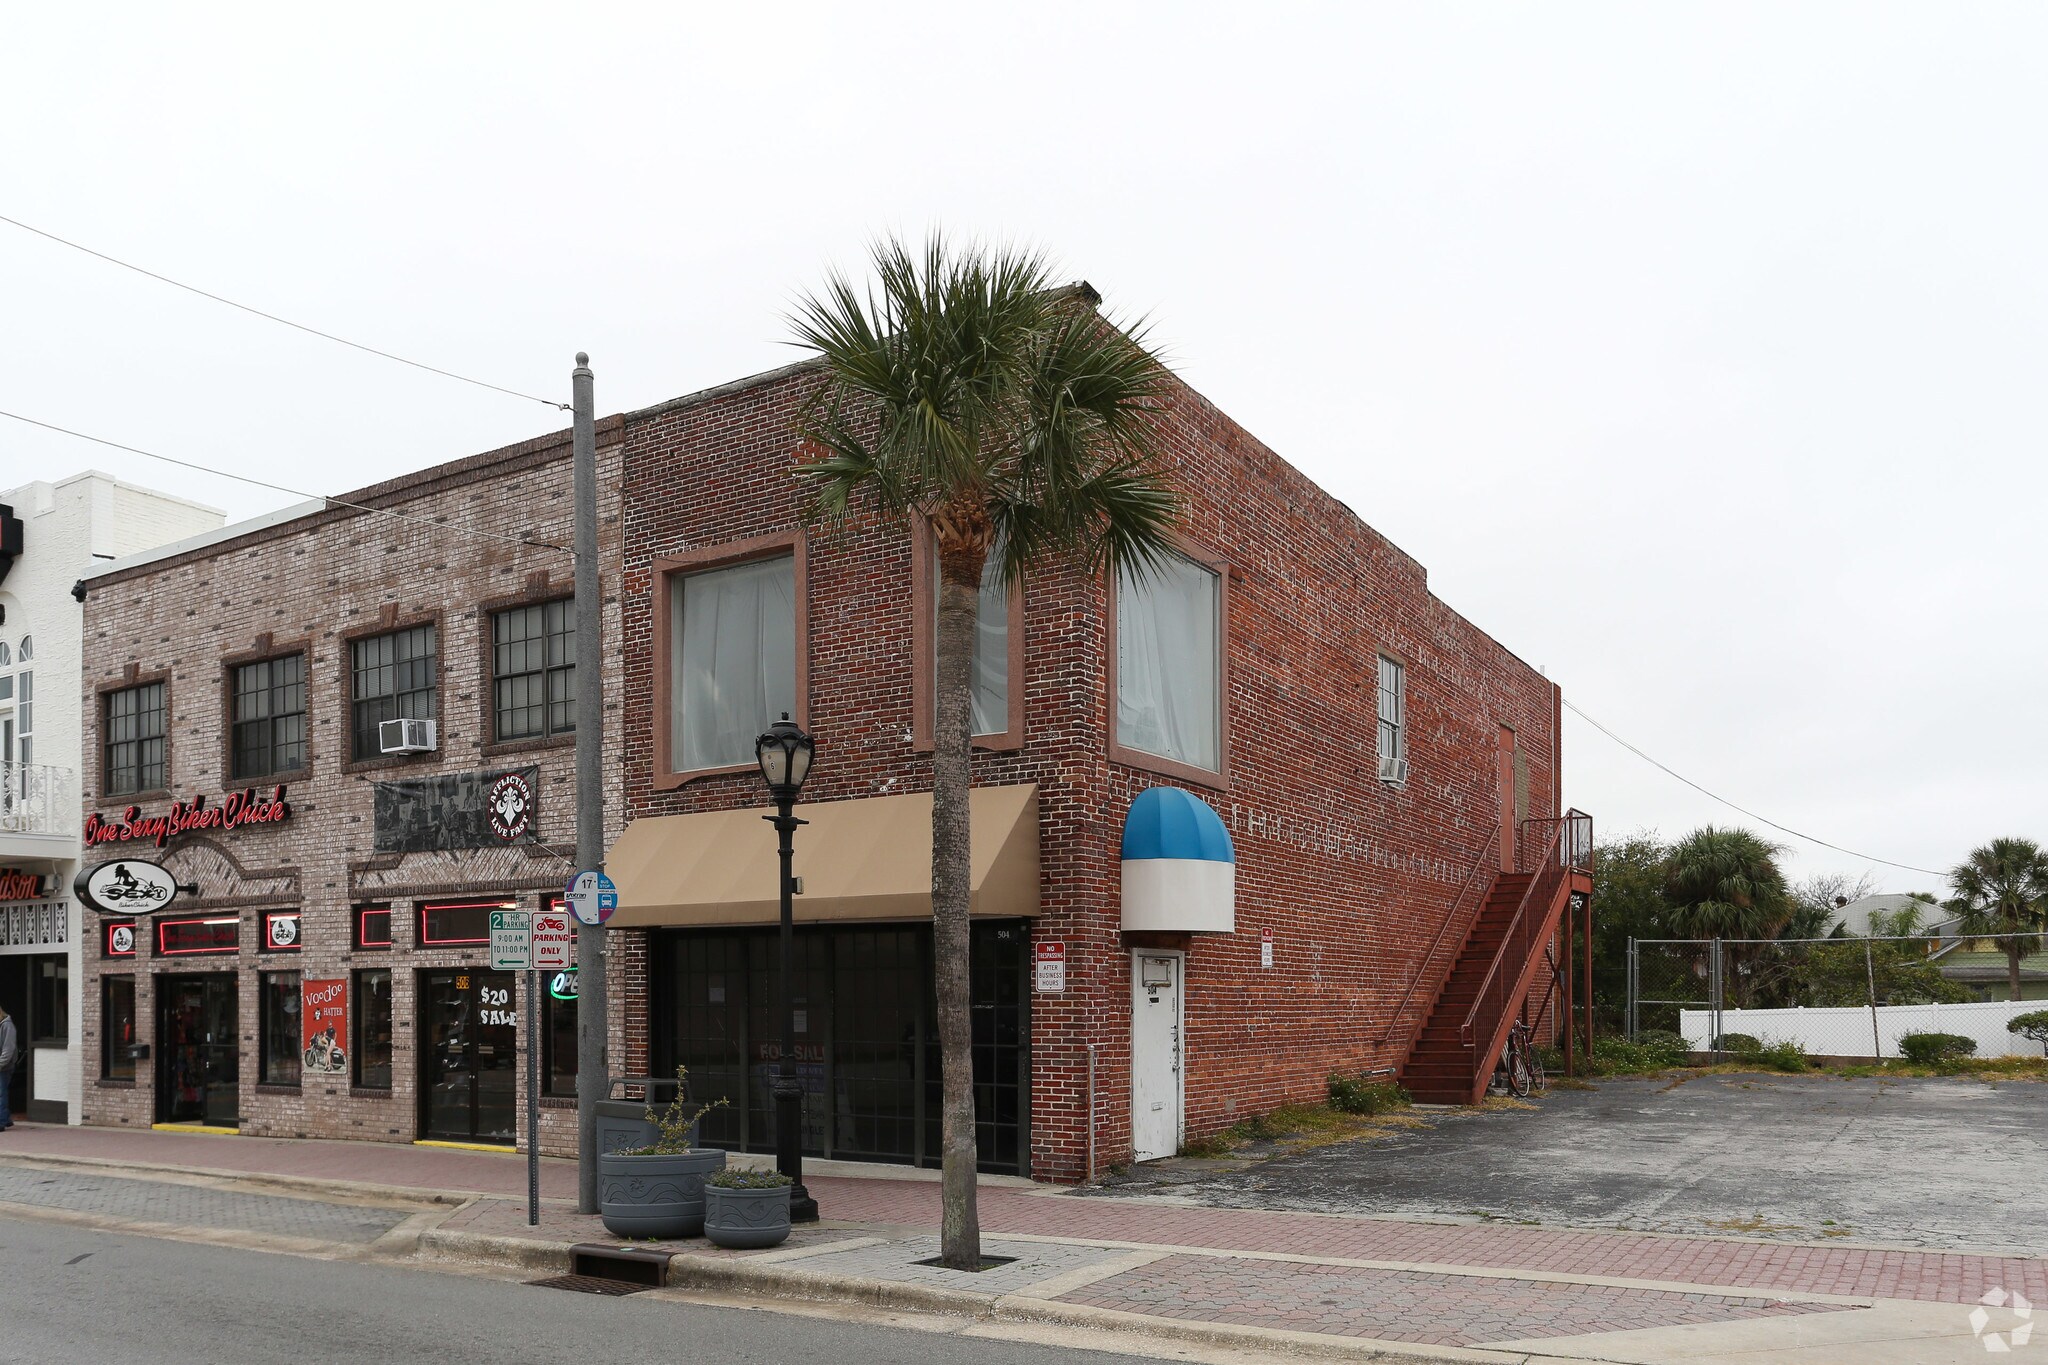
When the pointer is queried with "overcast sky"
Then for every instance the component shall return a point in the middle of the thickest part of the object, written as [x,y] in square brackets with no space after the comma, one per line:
[1697,350]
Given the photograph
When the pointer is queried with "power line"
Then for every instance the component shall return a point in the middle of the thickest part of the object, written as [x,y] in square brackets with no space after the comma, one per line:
[1786,829]
[295,492]
[300,326]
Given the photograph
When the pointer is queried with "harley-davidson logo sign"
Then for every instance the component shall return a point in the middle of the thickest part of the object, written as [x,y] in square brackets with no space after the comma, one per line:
[16,885]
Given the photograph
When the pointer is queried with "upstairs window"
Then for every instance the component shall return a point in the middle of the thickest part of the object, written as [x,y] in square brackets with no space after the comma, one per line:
[391,677]
[1169,664]
[732,660]
[1393,728]
[533,671]
[269,717]
[133,759]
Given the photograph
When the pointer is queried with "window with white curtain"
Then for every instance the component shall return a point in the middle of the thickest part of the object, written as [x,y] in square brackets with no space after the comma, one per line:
[989,678]
[732,660]
[1169,663]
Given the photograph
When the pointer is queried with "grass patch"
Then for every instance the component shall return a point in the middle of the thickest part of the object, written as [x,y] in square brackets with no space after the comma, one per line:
[1297,1127]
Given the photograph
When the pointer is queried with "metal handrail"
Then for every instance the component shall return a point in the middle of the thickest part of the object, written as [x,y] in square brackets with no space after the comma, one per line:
[1576,851]
[1486,855]
[1544,885]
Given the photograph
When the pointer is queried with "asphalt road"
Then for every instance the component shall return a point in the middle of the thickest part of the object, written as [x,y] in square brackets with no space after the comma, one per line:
[77,1295]
[1951,1164]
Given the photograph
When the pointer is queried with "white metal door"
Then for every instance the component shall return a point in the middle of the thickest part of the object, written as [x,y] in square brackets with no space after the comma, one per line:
[1155,1054]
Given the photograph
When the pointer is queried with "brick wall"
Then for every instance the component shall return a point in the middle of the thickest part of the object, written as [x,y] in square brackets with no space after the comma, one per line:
[1353,878]
[308,585]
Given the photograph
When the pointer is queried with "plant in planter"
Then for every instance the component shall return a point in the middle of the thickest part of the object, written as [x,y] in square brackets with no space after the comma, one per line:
[658,1190]
[746,1210]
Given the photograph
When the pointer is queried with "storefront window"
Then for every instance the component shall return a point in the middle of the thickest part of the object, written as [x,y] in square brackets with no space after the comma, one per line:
[278,997]
[372,1014]
[442,924]
[373,926]
[186,937]
[559,1028]
[117,1027]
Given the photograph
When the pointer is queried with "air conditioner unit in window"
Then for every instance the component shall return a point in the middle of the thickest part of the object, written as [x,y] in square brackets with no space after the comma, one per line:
[1394,770]
[406,736]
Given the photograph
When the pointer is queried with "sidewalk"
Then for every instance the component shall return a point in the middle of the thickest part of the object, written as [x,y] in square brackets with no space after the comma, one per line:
[1307,1283]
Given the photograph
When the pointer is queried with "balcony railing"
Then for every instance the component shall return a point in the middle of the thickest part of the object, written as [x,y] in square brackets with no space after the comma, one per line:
[38,799]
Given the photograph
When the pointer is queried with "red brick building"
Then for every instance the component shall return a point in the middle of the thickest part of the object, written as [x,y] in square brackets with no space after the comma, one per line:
[1367,748]
[1363,896]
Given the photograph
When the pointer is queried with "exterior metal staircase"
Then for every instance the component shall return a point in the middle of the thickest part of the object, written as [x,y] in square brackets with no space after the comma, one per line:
[1505,956]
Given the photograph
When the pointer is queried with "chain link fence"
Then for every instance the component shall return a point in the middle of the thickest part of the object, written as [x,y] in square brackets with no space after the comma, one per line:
[1836,997]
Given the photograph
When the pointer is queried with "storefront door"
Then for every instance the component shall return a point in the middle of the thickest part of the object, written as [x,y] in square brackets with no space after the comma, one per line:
[469,1039]
[1156,1095]
[199,1055]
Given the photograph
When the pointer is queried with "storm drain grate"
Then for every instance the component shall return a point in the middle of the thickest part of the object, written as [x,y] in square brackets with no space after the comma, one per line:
[987,1263]
[591,1284]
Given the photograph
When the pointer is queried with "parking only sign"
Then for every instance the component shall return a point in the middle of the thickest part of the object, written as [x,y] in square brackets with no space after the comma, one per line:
[554,941]
[592,897]
[511,940]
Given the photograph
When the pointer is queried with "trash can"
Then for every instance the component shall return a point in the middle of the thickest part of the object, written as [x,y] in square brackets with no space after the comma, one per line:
[622,1124]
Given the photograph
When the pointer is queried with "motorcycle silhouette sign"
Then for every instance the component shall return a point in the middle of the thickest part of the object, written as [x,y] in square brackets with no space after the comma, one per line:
[126,886]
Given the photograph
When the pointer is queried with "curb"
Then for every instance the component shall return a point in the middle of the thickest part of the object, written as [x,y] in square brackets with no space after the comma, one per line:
[773,1281]
[295,1186]
[517,1252]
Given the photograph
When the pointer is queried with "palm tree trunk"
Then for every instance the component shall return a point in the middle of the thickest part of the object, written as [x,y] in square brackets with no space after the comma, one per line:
[952,873]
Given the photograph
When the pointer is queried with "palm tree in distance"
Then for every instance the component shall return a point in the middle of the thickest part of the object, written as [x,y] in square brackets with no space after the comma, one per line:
[2002,888]
[964,389]
[1726,884]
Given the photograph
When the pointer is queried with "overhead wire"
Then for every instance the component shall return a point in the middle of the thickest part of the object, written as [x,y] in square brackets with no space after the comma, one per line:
[457,527]
[283,321]
[1765,819]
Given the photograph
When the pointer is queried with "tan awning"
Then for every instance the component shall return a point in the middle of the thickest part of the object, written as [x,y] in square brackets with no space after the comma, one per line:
[869,859]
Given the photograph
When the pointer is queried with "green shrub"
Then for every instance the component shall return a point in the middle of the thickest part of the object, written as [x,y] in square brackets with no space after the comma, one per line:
[1784,1055]
[2033,1024]
[1741,1044]
[1667,1047]
[1930,1048]
[1363,1095]
[740,1178]
[677,1124]
[1620,1057]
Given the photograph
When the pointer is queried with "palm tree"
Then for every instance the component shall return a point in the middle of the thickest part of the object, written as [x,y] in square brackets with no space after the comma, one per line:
[1726,883]
[2002,888]
[966,389]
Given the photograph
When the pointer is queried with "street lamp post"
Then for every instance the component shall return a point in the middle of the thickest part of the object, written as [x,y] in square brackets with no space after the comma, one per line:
[784,752]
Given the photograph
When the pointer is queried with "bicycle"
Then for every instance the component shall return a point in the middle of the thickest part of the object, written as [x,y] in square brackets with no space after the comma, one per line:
[1520,1065]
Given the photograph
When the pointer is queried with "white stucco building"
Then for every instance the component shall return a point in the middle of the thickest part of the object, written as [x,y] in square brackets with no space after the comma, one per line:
[51,535]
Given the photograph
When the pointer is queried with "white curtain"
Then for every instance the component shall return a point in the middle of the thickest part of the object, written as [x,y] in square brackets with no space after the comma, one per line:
[992,651]
[1168,665]
[732,666]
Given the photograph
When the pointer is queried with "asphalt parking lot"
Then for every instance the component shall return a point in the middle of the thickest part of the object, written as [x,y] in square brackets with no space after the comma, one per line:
[1940,1163]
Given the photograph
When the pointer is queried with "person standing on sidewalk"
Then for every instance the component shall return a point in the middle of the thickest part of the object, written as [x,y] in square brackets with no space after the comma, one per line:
[10,1053]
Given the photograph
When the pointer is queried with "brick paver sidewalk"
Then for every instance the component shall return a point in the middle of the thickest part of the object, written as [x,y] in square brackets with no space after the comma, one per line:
[1449,1283]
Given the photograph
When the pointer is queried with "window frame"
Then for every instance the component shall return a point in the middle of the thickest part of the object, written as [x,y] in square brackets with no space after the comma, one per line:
[1220,778]
[1381,658]
[231,669]
[266,1020]
[391,623]
[107,693]
[924,651]
[357,913]
[488,614]
[109,1064]
[424,908]
[359,1018]
[669,570]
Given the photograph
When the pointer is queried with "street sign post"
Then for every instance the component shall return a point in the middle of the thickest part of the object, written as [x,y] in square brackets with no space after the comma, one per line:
[511,940]
[592,898]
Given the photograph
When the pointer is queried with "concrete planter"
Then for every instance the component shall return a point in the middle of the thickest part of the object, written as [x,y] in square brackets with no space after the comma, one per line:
[746,1220]
[655,1196]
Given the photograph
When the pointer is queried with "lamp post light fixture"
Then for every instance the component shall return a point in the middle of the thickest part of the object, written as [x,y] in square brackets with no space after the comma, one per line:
[784,752]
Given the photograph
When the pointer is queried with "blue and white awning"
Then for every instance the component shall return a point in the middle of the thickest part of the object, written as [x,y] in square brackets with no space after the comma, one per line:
[1180,871]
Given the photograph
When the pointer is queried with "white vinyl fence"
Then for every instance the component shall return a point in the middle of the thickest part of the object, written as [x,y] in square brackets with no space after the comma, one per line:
[1848,1031]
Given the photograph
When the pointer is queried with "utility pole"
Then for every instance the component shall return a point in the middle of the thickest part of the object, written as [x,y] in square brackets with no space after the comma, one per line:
[592,1082]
